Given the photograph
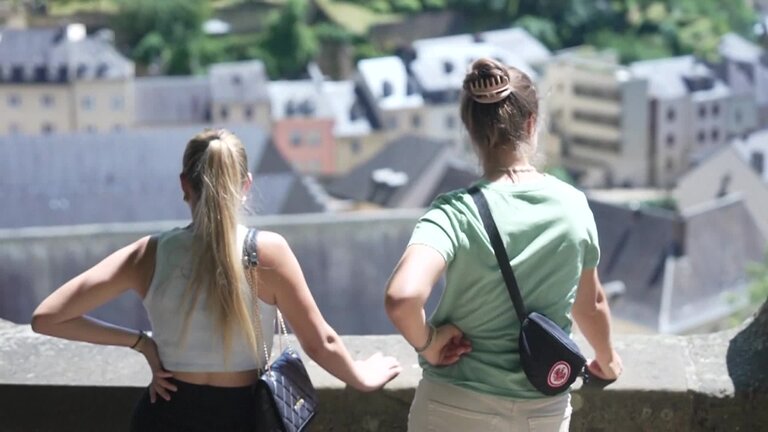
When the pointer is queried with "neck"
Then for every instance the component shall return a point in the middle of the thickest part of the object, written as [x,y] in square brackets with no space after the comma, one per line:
[495,167]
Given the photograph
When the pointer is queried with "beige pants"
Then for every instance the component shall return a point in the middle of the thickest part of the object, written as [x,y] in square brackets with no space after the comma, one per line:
[447,408]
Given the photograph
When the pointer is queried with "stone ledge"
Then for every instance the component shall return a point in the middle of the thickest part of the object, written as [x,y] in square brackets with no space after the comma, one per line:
[671,384]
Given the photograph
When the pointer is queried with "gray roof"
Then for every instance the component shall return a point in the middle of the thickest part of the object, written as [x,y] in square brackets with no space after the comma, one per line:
[516,41]
[428,171]
[692,260]
[60,54]
[634,246]
[244,82]
[734,47]
[719,241]
[441,67]
[389,83]
[172,100]
[674,77]
[122,176]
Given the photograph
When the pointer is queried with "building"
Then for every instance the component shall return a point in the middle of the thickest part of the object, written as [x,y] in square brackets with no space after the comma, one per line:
[394,93]
[745,69]
[63,80]
[239,93]
[600,112]
[302,126]
[172,101]
[692,114]
[677,272]
[128,176]
[736,169]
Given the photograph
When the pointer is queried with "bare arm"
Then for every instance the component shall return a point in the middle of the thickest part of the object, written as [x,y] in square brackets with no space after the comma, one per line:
[281,282]
[593,317]
[407,291]
[62,314]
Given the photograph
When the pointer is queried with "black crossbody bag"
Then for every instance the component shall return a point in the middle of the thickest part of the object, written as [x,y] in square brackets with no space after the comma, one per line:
[286,400]
[550,358]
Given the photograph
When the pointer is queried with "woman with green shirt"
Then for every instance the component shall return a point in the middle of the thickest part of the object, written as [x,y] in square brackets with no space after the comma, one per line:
[472,377]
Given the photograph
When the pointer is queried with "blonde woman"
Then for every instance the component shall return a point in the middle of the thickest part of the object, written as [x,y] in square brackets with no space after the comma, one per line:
[203,351]
[472,376]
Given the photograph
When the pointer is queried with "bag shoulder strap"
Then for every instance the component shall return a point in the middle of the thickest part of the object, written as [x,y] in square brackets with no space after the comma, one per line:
[498,249]
[250,249]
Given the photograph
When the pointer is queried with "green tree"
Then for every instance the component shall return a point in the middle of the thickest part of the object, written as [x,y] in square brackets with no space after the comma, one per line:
[289,42]
[167,34]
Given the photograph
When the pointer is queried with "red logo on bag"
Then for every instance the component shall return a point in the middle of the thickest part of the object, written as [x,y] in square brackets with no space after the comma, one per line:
[559,374]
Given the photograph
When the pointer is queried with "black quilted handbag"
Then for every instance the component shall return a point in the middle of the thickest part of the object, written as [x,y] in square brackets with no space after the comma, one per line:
[286,400]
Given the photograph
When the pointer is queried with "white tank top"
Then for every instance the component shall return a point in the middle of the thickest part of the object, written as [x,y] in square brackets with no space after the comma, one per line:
[203,350]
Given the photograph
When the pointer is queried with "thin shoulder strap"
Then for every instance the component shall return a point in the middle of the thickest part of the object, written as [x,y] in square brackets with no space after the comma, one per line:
[498,249]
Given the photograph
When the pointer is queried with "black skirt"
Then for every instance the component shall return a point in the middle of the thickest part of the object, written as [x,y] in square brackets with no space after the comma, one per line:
[196,408]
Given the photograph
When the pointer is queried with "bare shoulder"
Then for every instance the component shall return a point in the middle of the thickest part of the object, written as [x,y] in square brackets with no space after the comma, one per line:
[273,249]
[141,254]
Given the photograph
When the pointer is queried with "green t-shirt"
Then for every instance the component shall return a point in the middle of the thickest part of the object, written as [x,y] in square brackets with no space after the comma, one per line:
[550,236]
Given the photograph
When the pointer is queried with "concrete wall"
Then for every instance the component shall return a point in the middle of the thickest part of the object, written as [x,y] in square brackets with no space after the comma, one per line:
[713,382]
[346,260]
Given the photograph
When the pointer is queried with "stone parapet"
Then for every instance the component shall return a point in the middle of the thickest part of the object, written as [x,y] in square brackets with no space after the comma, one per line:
[712,382]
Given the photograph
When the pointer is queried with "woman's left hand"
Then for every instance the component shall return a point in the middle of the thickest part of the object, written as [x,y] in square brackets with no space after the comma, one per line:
[160,384]
[447,347]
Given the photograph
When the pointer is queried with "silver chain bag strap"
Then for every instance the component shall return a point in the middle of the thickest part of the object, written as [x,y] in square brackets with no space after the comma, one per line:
[286,400]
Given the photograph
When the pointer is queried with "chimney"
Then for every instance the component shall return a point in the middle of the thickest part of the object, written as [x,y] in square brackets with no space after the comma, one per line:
[75,32]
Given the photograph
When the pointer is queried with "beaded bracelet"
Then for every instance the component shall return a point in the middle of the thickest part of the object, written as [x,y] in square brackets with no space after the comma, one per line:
[430,338]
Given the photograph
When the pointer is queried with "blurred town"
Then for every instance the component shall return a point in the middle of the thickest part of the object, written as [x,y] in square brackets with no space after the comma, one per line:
[670,146]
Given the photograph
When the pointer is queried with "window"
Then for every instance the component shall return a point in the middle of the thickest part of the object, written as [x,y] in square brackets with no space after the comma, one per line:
[296,138]
[670,140]
[757,162]
[14,100]
[716,110]
[715,135]
[671,114]
[702,111]
[596,92]
[248,112]
[416,121]
[386,89]
[355,147]
[118,103]
[600,119]
[392,122]
[86,103]
[46,128]
[314,139]
[702,137]
[450,121]
[46,100]
[670,164]
[447,67]
[224,112]
[595,143]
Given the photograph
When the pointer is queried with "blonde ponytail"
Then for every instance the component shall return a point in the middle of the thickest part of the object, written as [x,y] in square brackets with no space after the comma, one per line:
[216,167]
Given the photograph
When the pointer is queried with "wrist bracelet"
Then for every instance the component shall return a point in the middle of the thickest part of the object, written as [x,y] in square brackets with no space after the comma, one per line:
[430,338]
[138,341]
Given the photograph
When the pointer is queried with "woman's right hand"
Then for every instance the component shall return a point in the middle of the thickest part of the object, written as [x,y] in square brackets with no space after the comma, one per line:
[376,371]
[607,368]
[448,346]
[160,384]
